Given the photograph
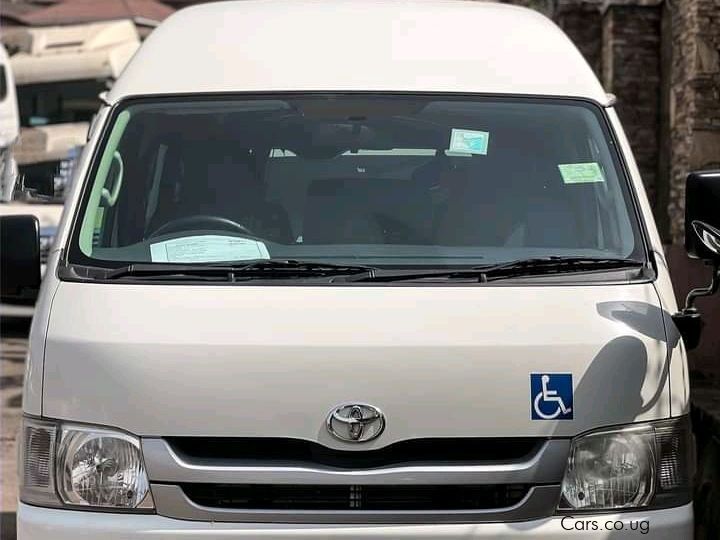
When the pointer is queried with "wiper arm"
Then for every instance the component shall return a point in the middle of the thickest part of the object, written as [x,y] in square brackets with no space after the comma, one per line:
[229,271]
[557,265]
[166,270]
[521,267]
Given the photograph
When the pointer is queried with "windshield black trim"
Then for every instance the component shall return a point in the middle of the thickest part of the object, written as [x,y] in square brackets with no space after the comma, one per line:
[72,255]
[605,277]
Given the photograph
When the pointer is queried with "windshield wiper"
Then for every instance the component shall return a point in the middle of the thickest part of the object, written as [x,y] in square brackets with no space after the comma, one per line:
[522,267]
[270,268]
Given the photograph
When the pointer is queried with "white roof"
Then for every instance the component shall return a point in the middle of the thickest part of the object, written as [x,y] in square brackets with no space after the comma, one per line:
[347,45]
[84,51]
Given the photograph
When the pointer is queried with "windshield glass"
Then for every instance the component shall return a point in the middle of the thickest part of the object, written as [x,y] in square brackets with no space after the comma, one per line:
[356,179]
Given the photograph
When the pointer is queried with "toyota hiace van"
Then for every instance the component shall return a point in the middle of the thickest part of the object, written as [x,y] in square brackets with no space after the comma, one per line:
[357,270]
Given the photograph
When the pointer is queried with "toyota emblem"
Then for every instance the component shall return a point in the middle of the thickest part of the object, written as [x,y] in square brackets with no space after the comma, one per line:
[355,422]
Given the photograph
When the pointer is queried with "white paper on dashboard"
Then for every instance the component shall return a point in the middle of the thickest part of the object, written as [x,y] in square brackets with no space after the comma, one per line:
[208,248]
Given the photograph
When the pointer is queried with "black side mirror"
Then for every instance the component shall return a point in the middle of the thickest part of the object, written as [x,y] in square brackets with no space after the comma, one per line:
[19,259]
[702,215]
[702,241]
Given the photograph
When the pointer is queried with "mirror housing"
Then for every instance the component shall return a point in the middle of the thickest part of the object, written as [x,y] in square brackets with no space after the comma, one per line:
[702,215]
[19,259]
[702,241]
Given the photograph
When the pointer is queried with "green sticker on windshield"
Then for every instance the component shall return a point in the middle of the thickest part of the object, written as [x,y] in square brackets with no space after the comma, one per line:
[581,173]
[465,141]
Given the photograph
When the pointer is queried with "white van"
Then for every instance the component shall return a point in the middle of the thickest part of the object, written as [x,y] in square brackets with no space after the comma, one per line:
[357,270]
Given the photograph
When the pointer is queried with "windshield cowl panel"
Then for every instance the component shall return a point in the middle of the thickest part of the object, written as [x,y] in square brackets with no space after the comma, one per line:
[388,182]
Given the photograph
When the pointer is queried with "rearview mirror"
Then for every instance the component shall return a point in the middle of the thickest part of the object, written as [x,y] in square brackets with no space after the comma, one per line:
[19,259]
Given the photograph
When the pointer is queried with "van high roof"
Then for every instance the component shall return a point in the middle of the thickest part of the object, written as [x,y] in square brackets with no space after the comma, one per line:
[351,45]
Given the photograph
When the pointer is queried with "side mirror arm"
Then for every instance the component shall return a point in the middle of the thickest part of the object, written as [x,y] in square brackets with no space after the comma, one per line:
[688,320]
[704,291]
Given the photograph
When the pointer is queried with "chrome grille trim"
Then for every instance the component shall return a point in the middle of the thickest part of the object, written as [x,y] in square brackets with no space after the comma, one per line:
[547,466]
[170,501]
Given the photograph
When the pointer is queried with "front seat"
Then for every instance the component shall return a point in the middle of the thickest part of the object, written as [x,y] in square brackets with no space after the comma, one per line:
[220,181]
[340,211]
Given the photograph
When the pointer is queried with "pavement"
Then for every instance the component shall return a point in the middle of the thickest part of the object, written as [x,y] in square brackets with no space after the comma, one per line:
[13,347]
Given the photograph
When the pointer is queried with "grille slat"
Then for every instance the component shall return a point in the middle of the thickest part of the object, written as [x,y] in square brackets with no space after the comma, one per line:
[355,497]
[435,450]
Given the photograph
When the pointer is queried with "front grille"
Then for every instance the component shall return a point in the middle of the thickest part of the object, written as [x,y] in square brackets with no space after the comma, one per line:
[432,450]
[354,497]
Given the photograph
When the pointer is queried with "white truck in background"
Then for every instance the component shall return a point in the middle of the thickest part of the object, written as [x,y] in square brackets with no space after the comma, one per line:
[58,75]
[9,127]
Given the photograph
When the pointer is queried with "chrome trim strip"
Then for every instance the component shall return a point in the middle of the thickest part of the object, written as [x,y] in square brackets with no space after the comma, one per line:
[170,501]
[547,466]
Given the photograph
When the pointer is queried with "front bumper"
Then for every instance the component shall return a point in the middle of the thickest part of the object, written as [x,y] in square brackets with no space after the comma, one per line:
[41,523]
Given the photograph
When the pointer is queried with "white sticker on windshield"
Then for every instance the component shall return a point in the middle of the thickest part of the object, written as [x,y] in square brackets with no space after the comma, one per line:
[465,141]
[208,248]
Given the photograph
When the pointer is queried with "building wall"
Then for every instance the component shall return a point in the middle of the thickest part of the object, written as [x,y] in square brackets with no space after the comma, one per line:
[631,69]
[694,99]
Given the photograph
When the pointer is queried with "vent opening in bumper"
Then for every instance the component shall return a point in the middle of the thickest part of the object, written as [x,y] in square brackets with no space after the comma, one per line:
[355,497]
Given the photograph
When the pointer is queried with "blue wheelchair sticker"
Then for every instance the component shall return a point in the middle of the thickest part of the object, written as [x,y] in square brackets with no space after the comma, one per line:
[551,396]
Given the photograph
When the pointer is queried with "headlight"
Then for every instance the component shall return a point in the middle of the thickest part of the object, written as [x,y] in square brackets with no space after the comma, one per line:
[100,468]
[636,466]
[82,466]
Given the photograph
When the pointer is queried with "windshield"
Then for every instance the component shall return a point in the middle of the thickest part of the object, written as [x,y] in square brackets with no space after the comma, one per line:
[389,180]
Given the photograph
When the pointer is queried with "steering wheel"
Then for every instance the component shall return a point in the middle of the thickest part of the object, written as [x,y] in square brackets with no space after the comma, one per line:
[201,222]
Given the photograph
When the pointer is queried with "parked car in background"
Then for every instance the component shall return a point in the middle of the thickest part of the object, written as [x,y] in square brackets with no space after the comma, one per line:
[322,275]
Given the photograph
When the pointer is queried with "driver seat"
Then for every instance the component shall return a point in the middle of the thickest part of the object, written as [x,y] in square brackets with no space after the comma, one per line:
[216,180]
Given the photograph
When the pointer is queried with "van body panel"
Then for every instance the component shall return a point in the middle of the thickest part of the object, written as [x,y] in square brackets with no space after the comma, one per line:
[32,395]
[677,356]
[273,361]
[32,384]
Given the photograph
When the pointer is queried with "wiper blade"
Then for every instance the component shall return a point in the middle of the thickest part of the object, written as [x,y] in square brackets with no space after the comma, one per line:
[558,264]
[521,267]
[300,265]
[230,271]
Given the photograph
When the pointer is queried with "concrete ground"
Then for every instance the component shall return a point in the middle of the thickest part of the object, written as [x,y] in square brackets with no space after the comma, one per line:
[13,346]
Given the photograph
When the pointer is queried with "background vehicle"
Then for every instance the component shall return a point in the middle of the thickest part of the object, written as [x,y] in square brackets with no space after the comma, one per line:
[59,72]
[379,298]
[9,127]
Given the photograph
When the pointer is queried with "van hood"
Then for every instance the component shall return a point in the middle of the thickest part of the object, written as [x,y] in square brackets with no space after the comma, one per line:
[247,361]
